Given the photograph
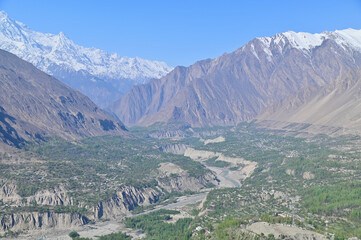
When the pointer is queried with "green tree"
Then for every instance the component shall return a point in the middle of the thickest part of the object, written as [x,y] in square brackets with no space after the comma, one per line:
[74,235]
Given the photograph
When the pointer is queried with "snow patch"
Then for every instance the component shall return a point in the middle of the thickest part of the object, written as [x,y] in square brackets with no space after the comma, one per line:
[305,41]
[254,51]
[349,37]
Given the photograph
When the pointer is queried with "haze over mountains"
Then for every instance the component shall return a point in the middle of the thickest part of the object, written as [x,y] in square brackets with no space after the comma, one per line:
[332,109]
[34,105]
[238,86]
[101,76]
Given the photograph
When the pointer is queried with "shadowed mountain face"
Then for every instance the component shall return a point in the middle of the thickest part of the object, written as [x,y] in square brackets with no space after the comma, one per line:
[34,105]
[237,86]
[334,108]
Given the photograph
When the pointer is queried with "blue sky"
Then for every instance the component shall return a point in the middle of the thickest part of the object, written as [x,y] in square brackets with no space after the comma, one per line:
[180,32]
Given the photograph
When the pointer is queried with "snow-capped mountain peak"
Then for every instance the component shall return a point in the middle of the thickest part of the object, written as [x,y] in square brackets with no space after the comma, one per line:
[350,36]
[94,72]
[307,41]
[43,50]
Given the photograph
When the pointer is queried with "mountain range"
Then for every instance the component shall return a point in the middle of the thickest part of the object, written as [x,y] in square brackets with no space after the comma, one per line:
[34,106]
[238,86]
[101,76]
[287,78]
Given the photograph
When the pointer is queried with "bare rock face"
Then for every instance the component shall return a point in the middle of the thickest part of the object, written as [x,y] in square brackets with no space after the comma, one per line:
[35,221]
[237,86]
[174,148]
[173,131]
[34,105]
[8,194]
[53,197]
[121,203]
[23,221]
[185,182]
[332,109]
[124,200]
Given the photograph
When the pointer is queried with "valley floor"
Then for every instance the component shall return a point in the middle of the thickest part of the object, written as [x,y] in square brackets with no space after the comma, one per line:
[261,179]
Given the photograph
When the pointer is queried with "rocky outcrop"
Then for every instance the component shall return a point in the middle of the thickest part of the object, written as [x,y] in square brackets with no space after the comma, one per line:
[174,148]
[121,203]
[177,134]
[9,195]
[35,220]
[53,197]
[49,197]
[124,200]
[185,182]
[55,208]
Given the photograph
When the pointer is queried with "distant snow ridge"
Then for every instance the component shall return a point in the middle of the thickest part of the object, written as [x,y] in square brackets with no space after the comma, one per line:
[59,56]
[307,41]
[43,49]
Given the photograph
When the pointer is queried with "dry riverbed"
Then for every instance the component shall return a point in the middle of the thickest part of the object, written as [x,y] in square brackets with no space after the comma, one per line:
[227,177]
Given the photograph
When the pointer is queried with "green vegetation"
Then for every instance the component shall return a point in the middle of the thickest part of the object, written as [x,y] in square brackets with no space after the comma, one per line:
[222,230]
[10,234]
[342,200]
[74,235]
[271,218]
[155,226]
[111,156]
[115,236]
[315,179]
[287,167]
[91,169]
[213,162]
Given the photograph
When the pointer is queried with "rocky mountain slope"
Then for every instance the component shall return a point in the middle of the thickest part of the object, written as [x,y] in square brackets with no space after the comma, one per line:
[34,105]
[237,86]
[101,76]
[334,108]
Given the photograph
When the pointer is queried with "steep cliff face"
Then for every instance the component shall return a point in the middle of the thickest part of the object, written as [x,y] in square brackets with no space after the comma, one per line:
[23,221]
[174,148]
[237,86]
[9,195]
[185,182]
[126,199]
[35,221]
[55,197]
[51,197]
[121,202]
